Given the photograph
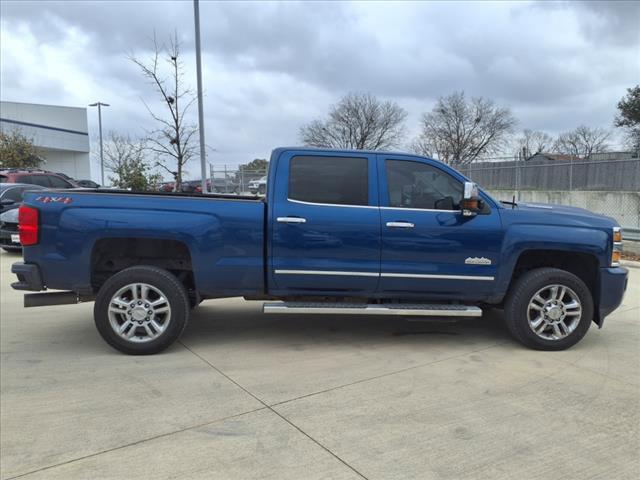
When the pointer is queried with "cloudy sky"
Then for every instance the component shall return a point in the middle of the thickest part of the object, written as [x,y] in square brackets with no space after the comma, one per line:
[270,67]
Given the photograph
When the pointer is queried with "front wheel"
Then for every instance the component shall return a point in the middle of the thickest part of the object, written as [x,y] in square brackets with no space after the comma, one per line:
[548,309]
[141,310]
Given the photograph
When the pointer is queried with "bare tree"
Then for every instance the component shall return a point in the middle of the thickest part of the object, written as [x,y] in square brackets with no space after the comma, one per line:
[458,131]
[583,141]
[359,121]
[172,140]
[125,158]
[532,142]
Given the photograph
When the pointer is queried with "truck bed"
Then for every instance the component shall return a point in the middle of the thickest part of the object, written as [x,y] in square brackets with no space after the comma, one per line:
[221,233]
[227,196]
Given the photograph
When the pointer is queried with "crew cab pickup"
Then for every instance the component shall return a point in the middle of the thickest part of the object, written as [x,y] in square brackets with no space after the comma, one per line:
[348,232]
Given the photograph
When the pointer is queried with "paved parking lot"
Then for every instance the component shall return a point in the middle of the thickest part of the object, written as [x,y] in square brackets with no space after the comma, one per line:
[250,396]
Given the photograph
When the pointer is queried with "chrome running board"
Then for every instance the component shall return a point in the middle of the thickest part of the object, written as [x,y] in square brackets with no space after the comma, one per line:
[404,309]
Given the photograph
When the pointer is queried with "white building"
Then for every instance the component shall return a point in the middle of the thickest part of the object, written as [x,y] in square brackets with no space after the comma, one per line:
[60,133]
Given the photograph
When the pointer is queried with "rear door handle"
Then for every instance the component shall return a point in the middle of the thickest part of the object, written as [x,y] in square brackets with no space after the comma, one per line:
[400,225]
[291,220]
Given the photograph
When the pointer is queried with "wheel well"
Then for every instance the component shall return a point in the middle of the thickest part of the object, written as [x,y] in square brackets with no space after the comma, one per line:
[110,255]
[582,265]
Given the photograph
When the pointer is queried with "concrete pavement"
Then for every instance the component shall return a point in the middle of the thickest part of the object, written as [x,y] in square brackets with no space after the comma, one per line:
[250,396]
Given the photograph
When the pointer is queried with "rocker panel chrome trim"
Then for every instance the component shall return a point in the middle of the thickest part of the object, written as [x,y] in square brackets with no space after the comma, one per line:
[338,309]
[384,274]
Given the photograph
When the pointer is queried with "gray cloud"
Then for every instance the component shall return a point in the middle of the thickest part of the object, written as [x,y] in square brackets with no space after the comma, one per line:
[269,67]
[605,21]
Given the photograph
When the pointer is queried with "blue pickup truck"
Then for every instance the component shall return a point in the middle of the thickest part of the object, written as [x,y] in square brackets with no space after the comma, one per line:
[339,232]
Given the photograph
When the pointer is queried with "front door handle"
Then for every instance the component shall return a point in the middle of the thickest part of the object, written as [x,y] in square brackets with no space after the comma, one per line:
[400,225]
[291,220]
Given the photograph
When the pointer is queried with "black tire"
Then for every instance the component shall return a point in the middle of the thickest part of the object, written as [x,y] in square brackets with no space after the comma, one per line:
[176,296]
[516,308]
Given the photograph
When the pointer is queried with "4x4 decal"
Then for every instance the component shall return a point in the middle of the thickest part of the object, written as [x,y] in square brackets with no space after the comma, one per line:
[54,199]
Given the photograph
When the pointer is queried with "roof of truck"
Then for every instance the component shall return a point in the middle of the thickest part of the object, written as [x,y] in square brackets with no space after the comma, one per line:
[347,150]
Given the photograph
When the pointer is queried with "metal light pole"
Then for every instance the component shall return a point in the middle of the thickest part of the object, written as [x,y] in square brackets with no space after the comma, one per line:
[100,105]
[203,160]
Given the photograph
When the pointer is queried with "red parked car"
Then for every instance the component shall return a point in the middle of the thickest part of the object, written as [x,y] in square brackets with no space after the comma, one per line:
[167,186]
[42,178]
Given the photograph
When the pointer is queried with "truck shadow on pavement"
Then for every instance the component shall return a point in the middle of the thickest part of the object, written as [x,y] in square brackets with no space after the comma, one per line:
[220,323]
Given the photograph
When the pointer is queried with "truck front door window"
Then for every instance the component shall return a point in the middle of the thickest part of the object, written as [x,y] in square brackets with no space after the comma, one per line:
[418,185]
[334,180]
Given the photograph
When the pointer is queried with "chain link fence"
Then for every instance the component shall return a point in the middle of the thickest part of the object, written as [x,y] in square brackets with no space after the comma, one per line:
[607,183]
[237,181]
[565,173]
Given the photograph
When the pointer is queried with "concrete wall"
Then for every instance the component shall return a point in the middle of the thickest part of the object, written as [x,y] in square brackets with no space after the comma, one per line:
[68,118]
[623,206]
[74,164]
[46,138]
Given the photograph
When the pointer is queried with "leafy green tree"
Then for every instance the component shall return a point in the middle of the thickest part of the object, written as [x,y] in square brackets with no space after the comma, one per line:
[629,116]
[18,151]
[257,165]
[125,157]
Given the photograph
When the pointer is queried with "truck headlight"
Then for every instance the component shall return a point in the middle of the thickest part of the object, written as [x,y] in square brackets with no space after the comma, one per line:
[616,252]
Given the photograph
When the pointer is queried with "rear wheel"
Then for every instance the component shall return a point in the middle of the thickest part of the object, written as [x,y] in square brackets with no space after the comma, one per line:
[141,310]
[548,309]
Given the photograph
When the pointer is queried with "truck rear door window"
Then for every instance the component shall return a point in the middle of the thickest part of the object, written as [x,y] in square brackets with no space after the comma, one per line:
[334,180]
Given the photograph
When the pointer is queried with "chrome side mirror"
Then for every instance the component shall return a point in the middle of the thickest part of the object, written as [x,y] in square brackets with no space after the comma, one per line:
[470,200]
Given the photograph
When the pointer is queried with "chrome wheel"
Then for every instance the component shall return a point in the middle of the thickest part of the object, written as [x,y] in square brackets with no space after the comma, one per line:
[139,312]
[554,312]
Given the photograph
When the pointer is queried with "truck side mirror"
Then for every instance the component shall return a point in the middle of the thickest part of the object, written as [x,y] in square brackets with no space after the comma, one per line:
[470,200]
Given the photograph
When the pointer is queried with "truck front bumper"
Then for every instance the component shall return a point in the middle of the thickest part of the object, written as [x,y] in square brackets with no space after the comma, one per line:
[29,277]
[613,284]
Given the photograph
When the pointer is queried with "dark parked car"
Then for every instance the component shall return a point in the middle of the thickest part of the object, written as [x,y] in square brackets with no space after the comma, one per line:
[10,200]
[37,177]
[9,235]
[87,184]
[11,194]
